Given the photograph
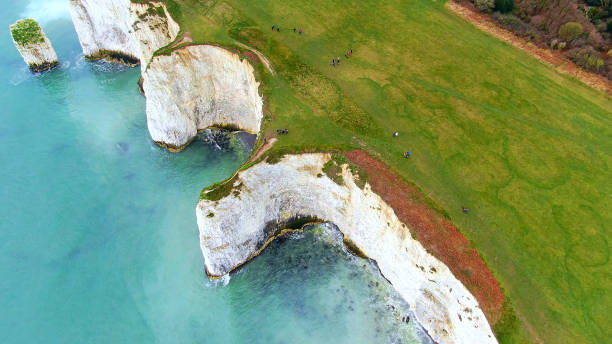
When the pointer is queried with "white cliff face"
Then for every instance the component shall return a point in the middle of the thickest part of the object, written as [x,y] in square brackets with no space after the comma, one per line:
[33,45]
[196,87]
[234,228]
[153,29]
[193,88]
[104,26]
[122,31]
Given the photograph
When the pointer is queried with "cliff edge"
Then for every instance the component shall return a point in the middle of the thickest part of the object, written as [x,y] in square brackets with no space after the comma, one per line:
[237,219]
[196,87]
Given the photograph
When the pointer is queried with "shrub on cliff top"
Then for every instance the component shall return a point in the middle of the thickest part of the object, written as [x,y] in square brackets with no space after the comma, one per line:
[26,32]
[485,5]
[587,58]
[504,6]
[511,22]
[570,31]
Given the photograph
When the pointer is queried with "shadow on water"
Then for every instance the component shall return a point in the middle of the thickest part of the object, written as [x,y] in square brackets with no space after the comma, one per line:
[312,286]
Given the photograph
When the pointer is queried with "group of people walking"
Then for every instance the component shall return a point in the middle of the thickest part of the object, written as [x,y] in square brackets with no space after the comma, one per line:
[336,61]
[277,28]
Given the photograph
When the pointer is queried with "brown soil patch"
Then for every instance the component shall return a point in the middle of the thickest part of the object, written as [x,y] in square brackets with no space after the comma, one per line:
[261,57]
[437,234]
[467,11]
[185,39]
[267,145]
[251,56]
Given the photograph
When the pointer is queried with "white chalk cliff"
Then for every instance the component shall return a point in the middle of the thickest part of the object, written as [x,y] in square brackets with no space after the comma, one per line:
[199,86]
[196,87]
[265,196]
[36,50]
[122,31]
[191,89]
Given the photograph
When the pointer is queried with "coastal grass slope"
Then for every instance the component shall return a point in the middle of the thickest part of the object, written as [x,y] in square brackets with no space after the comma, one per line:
[527,149]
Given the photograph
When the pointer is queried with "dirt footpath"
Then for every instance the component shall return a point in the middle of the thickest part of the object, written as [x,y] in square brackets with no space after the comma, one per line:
[261,56]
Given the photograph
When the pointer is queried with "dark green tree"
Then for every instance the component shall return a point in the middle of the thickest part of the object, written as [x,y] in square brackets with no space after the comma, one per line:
[504,6]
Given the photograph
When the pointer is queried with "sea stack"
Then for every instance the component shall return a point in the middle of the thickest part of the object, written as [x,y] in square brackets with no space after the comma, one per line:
[197,87]
[33,45]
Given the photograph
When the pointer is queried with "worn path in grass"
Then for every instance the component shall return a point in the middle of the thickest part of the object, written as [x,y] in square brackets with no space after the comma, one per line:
[526,148]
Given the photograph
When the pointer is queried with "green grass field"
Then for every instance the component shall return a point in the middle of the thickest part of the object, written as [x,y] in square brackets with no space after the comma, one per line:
[527,149]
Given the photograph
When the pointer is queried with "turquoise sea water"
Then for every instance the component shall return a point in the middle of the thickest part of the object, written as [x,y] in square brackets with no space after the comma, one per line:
[98,237]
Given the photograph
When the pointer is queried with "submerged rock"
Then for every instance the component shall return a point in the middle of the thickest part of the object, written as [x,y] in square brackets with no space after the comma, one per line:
[122,31]
[197,87]
[264,198]
[123,147]
[247,140]
[226,140]
[33,45]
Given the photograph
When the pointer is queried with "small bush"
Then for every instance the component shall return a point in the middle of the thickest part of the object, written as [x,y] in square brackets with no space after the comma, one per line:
[532,35]
[543,27]
[596,13]
[556,44]
[610,26]
[570,31]
[579,42]
[587,58]
[504,6]
[511,22]
[485,5]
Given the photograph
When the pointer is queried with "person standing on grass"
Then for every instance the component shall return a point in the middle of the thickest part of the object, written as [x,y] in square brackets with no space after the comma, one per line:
[338,59]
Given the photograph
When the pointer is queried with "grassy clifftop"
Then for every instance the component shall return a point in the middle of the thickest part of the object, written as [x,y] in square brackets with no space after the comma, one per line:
[527,149]
[27,32]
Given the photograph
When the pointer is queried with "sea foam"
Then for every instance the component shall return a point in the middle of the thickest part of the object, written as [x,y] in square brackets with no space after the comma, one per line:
[45,11]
